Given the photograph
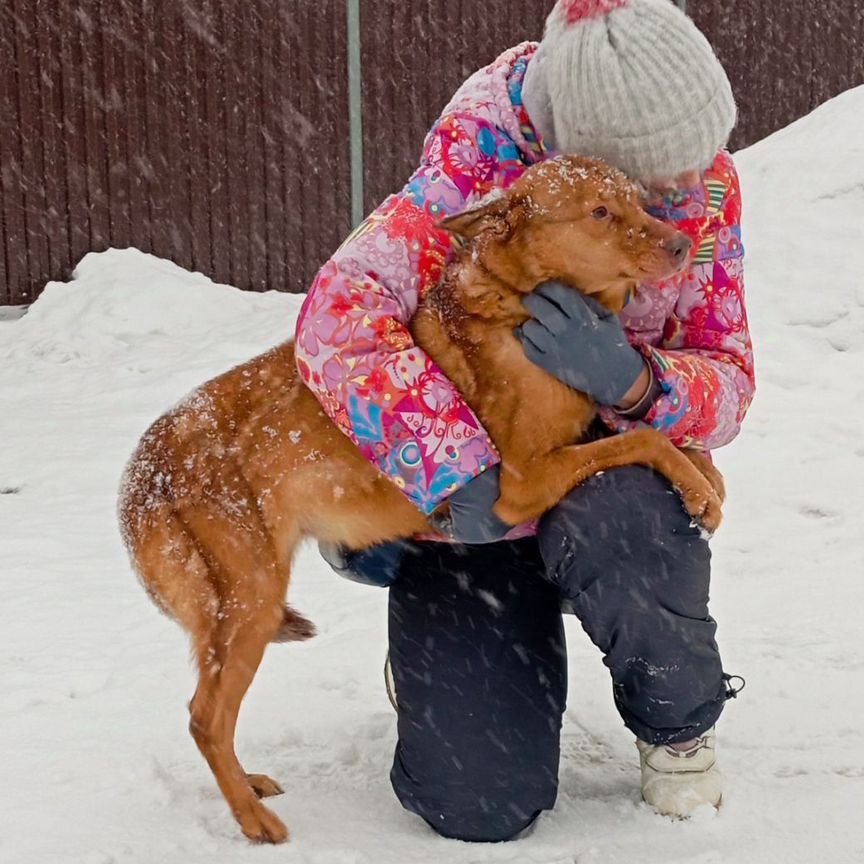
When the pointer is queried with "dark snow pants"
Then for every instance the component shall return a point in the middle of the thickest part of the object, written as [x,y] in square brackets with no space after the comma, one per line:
[479,661]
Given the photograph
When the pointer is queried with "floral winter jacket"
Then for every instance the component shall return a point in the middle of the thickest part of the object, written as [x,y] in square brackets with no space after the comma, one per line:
[355,352]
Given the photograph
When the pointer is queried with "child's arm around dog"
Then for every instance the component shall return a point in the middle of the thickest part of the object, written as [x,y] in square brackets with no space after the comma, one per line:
[353,345]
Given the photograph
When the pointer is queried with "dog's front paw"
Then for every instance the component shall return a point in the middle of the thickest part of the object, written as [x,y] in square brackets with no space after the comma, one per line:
[709,471]
[705,506]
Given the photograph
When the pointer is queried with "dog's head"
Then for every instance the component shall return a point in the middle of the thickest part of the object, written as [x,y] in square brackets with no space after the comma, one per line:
[575,220]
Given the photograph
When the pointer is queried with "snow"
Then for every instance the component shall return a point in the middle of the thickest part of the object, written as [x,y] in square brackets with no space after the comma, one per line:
[97,764]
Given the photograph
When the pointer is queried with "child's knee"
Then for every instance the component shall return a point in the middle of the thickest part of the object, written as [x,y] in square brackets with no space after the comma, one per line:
[485,808]
[628,528]
[480,827]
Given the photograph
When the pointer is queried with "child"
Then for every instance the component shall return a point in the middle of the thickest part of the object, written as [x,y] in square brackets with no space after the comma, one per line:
[476,641]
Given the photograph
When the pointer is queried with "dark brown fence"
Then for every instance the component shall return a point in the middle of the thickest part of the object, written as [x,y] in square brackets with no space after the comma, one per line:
[211,132]
[216,132]
[784,57]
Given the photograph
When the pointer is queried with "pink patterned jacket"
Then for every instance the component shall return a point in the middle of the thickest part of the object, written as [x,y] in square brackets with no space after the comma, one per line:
[355,352]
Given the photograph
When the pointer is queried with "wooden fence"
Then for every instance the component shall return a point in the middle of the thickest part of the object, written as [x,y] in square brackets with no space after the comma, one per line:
[226,134]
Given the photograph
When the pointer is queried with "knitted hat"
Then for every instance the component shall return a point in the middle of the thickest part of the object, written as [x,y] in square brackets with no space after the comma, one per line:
[631,82]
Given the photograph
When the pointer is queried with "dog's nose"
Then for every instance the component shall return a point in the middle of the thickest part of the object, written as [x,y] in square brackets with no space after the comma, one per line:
[679,247]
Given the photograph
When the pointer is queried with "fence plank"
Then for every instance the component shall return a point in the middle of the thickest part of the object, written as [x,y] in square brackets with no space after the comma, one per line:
[52,133]
[254,119]
[32,166]
[236,98]
[139,167]
[273,132]
[297,133]
[68,71]
[200,45]
[11,179]
[88,35]
[217,161]
[114,22]
[170,149]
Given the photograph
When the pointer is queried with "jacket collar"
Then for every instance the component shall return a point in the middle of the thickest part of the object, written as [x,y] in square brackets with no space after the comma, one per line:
[533,146]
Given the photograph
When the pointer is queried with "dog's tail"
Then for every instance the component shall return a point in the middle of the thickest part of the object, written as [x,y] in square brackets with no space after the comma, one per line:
[294,627]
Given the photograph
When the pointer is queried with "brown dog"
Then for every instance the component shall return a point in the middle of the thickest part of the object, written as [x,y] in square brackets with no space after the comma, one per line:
[223,487]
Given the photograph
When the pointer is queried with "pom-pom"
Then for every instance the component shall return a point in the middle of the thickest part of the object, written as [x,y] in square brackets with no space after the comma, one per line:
[584,10]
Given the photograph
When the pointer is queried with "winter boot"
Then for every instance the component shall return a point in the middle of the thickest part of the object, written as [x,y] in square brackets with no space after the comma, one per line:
[676,782]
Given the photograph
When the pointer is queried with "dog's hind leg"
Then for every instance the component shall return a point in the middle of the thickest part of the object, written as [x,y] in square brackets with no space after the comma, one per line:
[174,572]
[252,584]
[213,722]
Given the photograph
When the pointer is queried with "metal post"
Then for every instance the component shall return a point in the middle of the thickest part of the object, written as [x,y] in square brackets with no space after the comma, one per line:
[355,110]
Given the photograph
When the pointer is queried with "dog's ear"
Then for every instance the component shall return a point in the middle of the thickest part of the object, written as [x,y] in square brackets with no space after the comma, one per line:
[491,216]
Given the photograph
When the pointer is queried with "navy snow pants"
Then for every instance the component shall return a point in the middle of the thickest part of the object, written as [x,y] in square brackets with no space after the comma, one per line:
[479,660]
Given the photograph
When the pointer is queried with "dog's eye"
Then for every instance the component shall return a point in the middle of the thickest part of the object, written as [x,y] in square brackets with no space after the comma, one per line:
[600,213]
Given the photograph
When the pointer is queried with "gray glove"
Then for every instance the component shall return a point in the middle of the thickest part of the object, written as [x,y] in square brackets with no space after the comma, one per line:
[470,518]
[579,342]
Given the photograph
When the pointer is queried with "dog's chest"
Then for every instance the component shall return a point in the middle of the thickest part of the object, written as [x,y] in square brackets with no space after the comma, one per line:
[524,407]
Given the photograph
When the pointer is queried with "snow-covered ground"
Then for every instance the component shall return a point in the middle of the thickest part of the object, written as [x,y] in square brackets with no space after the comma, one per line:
[96,764]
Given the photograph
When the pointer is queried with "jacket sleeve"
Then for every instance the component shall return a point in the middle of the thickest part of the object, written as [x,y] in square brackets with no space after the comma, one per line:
[353,346]
[704,360]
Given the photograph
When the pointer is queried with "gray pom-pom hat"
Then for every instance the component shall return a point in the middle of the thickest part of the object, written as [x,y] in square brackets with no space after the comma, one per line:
[631,82]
